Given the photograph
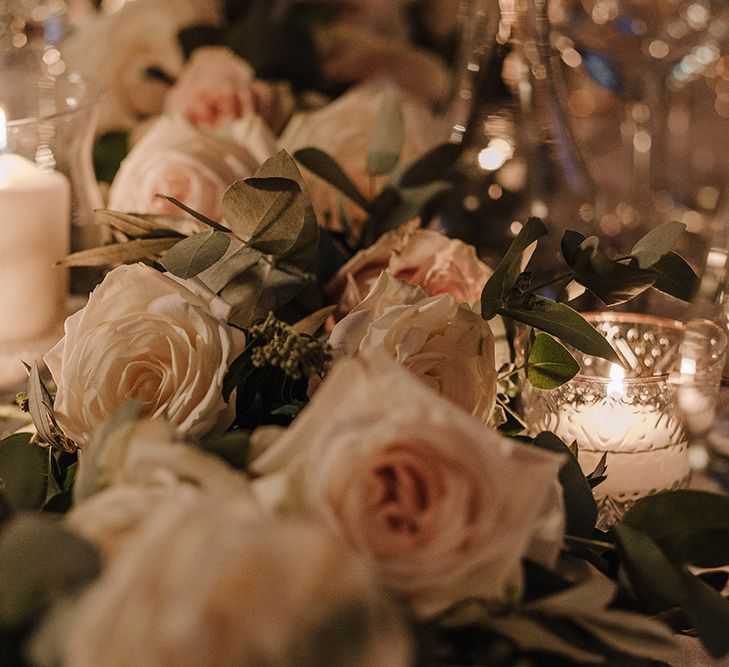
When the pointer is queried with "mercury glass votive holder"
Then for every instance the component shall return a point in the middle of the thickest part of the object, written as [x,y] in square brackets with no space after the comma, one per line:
[628,414]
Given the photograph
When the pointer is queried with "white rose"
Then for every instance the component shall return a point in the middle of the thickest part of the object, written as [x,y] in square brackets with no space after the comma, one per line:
[117,51]
[444,507]
[175,159]
[144,336]
[203,585]
[342,129]
[440,265]
[447,346]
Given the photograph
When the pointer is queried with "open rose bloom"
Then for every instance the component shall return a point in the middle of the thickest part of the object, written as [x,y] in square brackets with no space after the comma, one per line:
[144,336]
[438,264]
[175,159]
[443,507]
[445,345]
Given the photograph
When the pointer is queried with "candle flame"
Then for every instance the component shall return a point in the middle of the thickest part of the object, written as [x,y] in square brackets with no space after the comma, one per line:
[615,388]
[3,131]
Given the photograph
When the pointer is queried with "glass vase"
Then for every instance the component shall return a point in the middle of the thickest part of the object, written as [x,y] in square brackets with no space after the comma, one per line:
[48,193]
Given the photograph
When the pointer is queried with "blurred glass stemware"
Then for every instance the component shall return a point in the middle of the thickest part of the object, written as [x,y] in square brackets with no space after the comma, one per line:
[698,394]
[647,53]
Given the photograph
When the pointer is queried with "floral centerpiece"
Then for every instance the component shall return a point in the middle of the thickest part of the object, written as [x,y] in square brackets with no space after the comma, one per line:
[264,443]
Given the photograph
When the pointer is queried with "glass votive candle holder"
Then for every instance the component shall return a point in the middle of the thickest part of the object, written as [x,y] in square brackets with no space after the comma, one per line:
[631,414]
[47,195]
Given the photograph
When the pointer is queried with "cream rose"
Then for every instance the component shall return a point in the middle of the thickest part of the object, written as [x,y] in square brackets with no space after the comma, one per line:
[447,346]
[147,337]
[444,507]
[135,468]
[203,585]
[440,265]
[175,159]
[217,87]
[118,51]
[342,129]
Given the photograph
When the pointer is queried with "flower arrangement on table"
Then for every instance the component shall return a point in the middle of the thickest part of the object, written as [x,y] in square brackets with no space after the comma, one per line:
[265,443]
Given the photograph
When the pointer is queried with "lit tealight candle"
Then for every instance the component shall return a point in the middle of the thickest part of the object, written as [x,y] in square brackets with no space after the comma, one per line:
[34,235]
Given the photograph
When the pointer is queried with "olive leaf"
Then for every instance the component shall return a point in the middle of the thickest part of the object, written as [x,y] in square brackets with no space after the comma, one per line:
[579,503]
[675,277]
[130,251]
[497,288]
[563,322]
[611,281]
[698,529]
[326,167]
[550,364]
[656,243]
[196,253]
[40,403]
[140,224]
[387,136]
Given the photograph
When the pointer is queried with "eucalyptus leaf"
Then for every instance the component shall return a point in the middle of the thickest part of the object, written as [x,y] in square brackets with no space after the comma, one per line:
[326,167]
[281,225]
[387,136]
[24,470]
[431,166]
[497,288]
[237,260]
[675,277]
[119,253]
[689,526]
[254,204]
[612,282]
[563,322]
[708,612]
[196,253]
[40,562]
[195,214]
[579,503]
[656,243]
[550,364]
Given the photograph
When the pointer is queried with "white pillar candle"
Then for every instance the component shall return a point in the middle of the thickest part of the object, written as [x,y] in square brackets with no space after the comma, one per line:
[34,235]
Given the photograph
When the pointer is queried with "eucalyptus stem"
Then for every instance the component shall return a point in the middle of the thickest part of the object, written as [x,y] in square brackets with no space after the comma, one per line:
[547,283]
[514,371]
[590,543]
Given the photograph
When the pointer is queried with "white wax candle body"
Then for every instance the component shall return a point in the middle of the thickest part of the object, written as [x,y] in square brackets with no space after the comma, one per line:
[646,452]
[34,234]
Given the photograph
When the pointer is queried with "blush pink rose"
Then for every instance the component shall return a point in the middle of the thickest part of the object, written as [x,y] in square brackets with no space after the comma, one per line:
[175,159]
[443,507]
[438,264]
[445,345]
[217,87]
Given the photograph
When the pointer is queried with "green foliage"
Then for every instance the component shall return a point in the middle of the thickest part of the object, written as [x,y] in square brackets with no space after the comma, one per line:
[658,537]
[24,472]
[550,364]
[196,253]
[387,137]
[109,150]
[271,376]
[41,562]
